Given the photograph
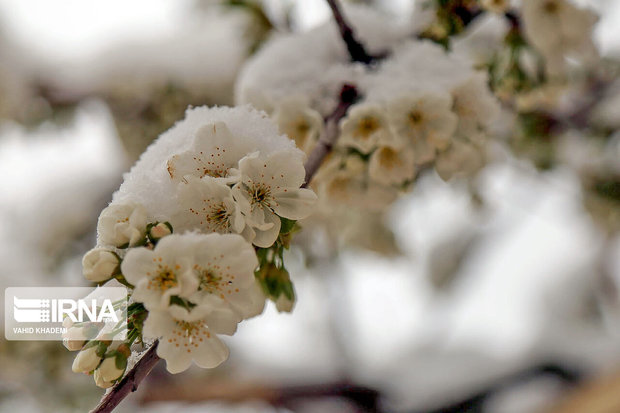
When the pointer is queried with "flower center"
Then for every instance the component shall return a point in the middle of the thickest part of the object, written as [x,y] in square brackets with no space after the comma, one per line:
[164,279]
[367,126]
[261,195]
[209,281]
[388,158]
[550,6]
[415,117]
[219,217]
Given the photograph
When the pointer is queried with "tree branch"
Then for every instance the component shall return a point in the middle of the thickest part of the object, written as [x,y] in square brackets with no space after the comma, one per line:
[356,49]
[348,96]
[130,382]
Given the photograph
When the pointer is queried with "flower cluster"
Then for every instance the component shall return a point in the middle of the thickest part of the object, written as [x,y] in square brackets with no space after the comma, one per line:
[421,107]
[229,186]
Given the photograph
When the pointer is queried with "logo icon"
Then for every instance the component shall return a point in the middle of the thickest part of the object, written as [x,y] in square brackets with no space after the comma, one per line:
[54,313]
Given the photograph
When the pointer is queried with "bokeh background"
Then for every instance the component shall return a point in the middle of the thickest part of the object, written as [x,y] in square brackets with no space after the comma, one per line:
[505,300]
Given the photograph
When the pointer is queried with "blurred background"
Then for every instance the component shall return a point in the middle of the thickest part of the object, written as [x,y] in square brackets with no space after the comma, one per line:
[498,295]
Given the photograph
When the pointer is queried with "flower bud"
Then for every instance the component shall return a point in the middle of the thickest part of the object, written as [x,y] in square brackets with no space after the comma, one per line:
[159,230]
[99,264]
[73,345]
[284,304]
[100,382]
[86,361]
[112,368]
[122,225]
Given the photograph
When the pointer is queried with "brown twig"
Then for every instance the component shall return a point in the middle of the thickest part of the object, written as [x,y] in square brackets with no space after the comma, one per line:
[348,96]
[356,50]
[195,391]
[130,382]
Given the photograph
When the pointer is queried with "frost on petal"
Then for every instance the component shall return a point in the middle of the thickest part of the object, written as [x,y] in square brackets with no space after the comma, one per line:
[214,153]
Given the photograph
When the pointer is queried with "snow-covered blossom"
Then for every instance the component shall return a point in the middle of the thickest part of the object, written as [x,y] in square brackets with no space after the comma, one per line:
[215,153]
[392,165]
[185,177]
[299,122]
[364,128]
[270,189]
[425,120]
[184,336]
[99,264]
[122,224]
[559,29]
[161,273]
[208,205]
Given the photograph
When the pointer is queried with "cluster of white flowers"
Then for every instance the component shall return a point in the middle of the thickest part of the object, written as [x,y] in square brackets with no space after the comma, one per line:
[224,180]
[420,107]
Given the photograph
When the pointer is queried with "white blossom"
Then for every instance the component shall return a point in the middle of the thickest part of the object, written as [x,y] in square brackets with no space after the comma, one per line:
[208,206]
[240,129]
[269,189]
[299,121]
[122,225]
[214,153]
[364,127]
[347,182]
[99,264]
[475,106]
[163,272]
[558,28]
[426,121]
[224,266]
[462,158]
[392,165]
[184,337]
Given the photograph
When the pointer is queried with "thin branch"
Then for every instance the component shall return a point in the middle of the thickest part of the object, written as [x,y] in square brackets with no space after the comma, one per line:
[194,391]
[130,382]
[348,96]
[356,49]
